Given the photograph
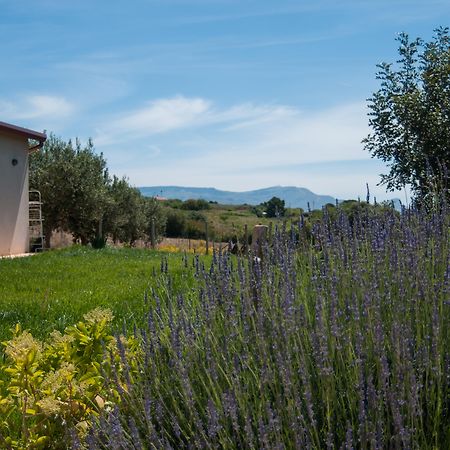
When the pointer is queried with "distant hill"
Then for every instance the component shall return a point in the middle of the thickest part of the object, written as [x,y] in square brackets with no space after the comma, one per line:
[294,197]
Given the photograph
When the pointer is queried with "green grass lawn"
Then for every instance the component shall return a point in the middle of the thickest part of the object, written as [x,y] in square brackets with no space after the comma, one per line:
[54,289]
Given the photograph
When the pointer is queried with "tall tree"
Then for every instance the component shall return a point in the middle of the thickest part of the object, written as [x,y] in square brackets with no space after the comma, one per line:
[410,117]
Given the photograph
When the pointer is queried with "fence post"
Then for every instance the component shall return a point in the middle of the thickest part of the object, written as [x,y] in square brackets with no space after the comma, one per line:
[258,239]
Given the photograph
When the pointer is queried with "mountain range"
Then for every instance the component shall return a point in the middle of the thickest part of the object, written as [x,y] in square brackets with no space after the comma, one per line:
[294,197]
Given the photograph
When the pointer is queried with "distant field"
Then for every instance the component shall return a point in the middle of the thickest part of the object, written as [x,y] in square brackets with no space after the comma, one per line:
[225,222]
[54,289]
[230,220]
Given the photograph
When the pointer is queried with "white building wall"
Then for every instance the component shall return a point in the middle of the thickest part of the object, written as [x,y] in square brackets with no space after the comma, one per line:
[14,237]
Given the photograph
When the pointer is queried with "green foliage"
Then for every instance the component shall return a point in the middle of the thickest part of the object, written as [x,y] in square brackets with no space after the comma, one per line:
[50,386]
[337,342]
[195,227]
[225,222]
[174,203]
[73,181]
[154,213]
[79,196]
[175,224]
[195,205]
[354,208]
[410,116]
[274,207]
[258,210]
[98,242]
[189,224]
[125,216]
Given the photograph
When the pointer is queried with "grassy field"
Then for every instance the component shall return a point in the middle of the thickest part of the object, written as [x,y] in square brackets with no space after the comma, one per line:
[53,290]
[225,222]
[229,220]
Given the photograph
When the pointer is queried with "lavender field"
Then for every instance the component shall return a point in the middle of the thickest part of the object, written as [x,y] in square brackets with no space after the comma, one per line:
[338,338]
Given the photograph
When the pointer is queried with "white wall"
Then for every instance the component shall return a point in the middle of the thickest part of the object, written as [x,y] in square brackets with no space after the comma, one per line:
[14,223]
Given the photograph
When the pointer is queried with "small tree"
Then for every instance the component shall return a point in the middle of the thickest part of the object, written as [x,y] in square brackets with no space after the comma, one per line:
[275,207]
[410,116]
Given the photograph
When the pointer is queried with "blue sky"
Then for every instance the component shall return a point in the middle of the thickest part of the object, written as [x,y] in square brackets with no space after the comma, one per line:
[231,94]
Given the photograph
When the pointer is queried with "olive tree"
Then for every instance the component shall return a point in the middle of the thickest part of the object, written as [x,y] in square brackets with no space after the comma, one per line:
[125,216]
[73,180]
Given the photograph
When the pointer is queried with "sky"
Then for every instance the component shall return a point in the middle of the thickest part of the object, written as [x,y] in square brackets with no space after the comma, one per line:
[232,94]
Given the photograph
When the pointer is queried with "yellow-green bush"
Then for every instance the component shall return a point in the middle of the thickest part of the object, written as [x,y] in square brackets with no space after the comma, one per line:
[49,387]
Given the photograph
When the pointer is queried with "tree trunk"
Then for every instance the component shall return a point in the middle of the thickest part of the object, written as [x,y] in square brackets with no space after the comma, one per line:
[47,235]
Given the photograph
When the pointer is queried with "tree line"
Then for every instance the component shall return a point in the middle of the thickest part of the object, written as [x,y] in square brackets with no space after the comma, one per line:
[81,198]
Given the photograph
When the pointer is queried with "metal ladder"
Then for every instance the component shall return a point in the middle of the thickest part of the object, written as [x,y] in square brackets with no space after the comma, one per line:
[36,221]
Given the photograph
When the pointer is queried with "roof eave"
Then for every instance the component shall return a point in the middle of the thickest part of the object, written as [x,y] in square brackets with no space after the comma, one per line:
[26,133]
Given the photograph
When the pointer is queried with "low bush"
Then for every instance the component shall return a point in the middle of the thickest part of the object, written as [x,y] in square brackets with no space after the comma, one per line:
[195,205]
[50,387]
[175,224]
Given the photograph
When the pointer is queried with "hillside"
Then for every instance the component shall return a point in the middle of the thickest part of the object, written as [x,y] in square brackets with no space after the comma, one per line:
[294,197]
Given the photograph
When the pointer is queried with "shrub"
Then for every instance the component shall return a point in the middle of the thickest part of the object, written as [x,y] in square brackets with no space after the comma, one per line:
[175,224]
[99,242]
[196,205]
[174,203]
[49,386]
[195,229]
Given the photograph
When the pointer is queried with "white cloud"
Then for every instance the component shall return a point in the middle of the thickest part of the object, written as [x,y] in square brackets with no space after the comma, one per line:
[36,107]
[257,136]
[326,135]
[48,106]
[267,136]
[166,115]
[248,115]
[159,116]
